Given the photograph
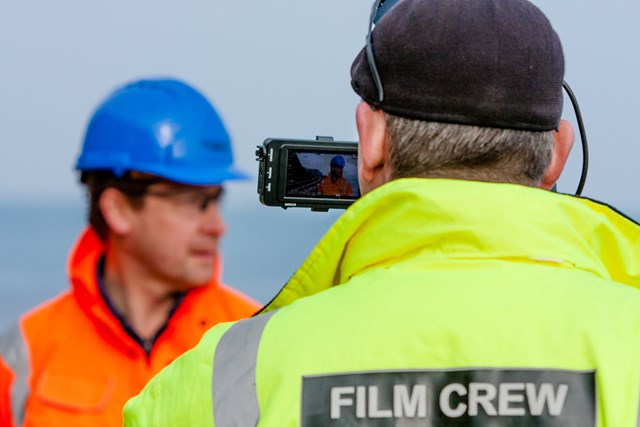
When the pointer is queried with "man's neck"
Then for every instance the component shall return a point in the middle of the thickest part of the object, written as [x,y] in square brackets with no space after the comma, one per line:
[143,303]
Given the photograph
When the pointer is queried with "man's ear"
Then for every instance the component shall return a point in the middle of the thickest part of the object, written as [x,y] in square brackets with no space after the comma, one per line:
[563,142]
[116,211]
[372,150]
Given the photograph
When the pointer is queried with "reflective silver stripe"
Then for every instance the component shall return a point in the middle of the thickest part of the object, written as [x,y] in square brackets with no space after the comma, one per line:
[638,417]
[13,349]
[235,400]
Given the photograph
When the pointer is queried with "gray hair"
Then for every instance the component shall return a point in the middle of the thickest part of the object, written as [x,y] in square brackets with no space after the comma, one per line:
[444,150]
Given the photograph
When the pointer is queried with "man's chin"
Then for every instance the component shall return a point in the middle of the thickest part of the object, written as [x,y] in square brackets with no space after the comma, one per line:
[191,285]
[199,279]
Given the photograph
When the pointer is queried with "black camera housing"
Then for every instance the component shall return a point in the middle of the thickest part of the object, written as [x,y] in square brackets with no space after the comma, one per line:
[290,171]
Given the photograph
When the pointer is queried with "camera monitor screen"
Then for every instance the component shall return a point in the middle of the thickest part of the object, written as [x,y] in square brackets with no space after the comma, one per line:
[321,174]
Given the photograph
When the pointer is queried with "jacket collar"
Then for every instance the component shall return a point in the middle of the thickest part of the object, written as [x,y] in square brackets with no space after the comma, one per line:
[437,219]
[83,269]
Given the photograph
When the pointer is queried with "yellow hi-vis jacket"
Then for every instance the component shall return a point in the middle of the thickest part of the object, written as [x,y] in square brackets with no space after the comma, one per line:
[433,303]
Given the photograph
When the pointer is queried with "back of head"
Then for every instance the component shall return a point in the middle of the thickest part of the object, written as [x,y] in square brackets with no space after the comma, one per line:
[162,127]
[472,88]
[495,63]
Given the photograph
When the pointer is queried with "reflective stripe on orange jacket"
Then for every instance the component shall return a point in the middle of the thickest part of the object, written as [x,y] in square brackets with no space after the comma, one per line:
[70,363]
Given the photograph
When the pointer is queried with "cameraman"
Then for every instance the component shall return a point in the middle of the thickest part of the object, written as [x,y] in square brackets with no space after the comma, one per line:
[456,290]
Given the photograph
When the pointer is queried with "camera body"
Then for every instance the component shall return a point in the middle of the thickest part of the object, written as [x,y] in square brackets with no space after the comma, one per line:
[320,174]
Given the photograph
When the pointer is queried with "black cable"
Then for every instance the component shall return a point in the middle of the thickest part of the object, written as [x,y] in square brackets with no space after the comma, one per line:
[583,138]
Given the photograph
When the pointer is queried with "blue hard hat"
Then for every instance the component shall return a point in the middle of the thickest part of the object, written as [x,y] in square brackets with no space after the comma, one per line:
[162,127]
[338,161]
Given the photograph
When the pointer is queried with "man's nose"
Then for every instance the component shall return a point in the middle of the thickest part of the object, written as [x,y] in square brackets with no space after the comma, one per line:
[212,221]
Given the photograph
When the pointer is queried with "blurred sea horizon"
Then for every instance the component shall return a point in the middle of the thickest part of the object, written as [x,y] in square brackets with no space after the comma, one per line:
[36,238]
[261,250]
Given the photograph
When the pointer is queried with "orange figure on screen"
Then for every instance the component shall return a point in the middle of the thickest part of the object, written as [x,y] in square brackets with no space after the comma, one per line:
[334,184]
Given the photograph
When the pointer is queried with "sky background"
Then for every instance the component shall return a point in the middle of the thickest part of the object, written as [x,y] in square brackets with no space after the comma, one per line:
[272,69]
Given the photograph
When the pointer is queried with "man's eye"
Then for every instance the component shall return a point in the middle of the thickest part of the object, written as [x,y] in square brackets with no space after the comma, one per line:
[207,199]
[193,198]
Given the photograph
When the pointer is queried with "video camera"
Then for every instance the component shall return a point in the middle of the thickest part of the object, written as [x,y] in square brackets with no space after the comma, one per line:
[320,174]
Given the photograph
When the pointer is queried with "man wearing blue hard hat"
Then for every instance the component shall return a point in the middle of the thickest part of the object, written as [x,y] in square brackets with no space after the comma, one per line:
[335,184]
[145,274]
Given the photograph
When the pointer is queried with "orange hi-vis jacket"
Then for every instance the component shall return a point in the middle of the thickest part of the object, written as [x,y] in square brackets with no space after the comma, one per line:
[339,188]
[70,362]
